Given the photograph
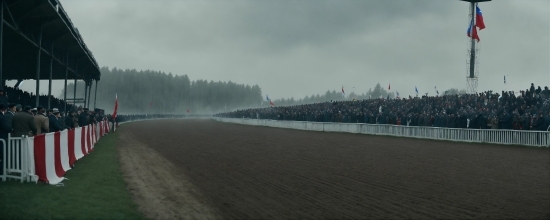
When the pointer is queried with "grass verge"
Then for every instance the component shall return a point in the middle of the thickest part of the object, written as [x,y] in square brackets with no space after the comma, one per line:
[95,190]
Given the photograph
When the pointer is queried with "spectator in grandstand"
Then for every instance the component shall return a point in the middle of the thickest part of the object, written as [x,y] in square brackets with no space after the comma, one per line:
[69,120]
[5,129]
[61,120]
[539,123]
[3,98]
[23,123]
[92,117]
[83,119]
[75,118]
[54,122]
[5,126]
[9,115]
[41,121]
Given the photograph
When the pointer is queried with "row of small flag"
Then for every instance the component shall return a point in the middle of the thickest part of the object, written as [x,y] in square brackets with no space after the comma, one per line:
[389,88]
[397,92]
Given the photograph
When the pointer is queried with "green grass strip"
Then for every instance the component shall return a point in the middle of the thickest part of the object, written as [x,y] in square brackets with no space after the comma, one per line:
[95,190]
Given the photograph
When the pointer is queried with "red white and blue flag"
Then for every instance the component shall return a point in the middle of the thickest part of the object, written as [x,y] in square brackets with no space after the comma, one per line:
[472,31]
[270,102]
[479,19]
[343,93]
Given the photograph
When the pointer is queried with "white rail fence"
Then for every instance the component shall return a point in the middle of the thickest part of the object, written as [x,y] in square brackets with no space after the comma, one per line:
[18,160]
[509,137]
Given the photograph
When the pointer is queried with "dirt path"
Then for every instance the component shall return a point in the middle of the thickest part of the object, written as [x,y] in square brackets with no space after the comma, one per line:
[157,187]
[250,172]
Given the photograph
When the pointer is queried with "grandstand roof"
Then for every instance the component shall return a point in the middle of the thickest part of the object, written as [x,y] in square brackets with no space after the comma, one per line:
[24,22]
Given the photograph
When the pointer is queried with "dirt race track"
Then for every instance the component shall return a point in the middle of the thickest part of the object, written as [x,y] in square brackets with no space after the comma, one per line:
[208,169]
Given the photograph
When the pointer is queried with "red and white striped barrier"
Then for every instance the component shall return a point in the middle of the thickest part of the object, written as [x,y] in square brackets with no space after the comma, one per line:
[55,153]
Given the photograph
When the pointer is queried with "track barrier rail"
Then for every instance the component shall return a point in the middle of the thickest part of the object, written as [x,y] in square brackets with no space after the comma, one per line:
[493,136]
[46,157]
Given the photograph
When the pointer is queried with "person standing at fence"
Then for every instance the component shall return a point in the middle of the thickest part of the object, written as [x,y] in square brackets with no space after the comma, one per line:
[61,120]
[75,118]
[3,98]
[34,112]
[83,117]
[9,115]
[5,129]
[41,121]
[69,122]
[23,123]
[54,122]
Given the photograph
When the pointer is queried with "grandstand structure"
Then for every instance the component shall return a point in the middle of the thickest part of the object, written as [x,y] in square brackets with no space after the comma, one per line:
[38,41]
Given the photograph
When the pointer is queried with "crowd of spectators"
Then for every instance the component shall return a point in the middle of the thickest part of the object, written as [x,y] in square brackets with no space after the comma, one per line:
[527,110]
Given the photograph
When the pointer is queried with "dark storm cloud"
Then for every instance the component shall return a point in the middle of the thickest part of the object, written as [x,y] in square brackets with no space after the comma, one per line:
[297,48]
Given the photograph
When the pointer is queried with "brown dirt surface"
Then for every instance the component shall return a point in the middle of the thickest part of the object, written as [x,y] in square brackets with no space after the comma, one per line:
[153,181]
[251,172]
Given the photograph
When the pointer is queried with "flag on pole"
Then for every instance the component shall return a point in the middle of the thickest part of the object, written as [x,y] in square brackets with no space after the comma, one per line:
[116,107]
[271,103]
[479,19]
[267,97]
[504,79]
[397,94]
[416,90]
[343,93]
[389,86]
[437,92]
[473,33]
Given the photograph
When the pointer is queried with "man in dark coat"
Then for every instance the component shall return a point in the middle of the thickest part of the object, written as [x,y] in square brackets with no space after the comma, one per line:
[5,129]
[54,122]
[69,122]
[9,115]
[3,98]
[23,123]
[506,121]
[83,118]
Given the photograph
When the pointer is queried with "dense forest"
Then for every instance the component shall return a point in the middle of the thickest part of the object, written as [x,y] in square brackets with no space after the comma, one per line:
[337,96]
[157,92]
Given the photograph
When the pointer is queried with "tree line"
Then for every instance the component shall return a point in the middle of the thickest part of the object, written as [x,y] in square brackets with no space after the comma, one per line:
[148,91]
[334,95]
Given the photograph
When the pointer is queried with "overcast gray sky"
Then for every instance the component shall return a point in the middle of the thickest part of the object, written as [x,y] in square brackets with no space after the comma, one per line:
[304,47]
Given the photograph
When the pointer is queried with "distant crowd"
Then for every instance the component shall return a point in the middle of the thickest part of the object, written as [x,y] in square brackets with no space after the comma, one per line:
[527,110]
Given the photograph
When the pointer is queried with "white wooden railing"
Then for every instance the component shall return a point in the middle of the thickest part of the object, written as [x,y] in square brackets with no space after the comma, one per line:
[495,136]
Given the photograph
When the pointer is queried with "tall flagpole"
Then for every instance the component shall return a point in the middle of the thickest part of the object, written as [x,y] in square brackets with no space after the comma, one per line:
[473,74]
